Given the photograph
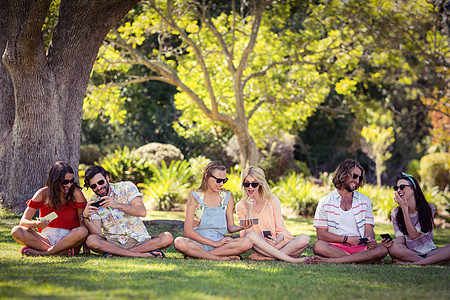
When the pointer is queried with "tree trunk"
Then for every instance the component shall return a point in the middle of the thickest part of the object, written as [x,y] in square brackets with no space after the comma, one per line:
[43,119]
[248,152]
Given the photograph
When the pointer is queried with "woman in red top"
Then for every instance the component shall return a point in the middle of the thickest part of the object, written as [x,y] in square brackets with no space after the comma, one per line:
[61,195]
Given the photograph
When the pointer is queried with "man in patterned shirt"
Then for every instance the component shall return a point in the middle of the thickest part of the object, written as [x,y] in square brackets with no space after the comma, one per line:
[118,211]
[344,221]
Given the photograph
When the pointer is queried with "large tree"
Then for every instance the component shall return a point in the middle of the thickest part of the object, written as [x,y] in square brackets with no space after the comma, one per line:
[43,85]
[245,66]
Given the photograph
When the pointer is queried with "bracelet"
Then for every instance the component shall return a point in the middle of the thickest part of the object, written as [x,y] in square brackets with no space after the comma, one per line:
[345,239]
[85,218]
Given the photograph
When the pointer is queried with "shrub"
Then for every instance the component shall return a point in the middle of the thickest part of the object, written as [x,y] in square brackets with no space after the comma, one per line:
[89,154]
[169,184]
[299,194]
[382,199]
[198,164]
[124,165]
[413,168]
[435,170]
[156,153]
[234,183]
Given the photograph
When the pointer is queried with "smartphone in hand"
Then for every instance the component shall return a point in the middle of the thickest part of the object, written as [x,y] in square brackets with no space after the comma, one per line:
[97,203]
[363,241]
[255,221]
[267,233]
[386,236]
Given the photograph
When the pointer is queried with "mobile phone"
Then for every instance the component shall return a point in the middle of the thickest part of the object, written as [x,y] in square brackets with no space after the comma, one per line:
[267,233]
[363,241]
[50,217]
[255,221]
[386,236]
[97,203]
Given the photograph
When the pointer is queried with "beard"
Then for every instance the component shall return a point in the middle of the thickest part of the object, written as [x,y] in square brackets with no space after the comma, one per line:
[106,191]
[350,189]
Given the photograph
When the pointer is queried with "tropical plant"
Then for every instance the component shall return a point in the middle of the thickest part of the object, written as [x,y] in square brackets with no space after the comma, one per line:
[124,165]
[234,183]
[169,184]
[299,194]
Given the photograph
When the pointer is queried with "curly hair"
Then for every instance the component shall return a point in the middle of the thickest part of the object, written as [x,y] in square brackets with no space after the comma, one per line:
[345,171]
[91,172]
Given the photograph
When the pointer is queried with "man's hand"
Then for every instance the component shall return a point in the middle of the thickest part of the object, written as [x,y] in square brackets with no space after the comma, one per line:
[371,243]
[109,202]
[353,240]
[89,210]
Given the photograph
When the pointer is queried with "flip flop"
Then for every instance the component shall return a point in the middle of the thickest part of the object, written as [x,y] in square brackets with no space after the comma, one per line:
[107,255]
[23,250]
[155,255]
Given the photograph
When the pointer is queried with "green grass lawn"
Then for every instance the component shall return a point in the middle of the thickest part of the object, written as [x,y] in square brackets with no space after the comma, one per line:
[93,277]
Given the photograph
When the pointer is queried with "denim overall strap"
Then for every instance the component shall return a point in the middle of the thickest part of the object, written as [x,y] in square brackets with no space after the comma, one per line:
[199,200]
[227,197]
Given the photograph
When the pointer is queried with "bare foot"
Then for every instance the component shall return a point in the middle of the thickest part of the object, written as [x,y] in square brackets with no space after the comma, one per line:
[302,260]
[316,259]
[256,256]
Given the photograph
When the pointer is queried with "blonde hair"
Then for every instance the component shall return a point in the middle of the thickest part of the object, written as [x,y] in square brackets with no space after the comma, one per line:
[211,167]
[260,177]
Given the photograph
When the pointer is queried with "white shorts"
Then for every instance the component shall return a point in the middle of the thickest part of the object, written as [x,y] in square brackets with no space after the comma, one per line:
[53,235]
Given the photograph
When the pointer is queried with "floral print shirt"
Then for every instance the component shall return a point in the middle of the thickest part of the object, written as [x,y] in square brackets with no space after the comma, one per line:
[116,223]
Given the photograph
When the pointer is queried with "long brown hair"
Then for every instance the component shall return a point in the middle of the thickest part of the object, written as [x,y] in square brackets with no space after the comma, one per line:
[345,171]
[211,167]
[54,183]
[424,209]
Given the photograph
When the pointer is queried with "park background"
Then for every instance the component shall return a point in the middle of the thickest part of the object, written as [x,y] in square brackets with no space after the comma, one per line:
[292,86]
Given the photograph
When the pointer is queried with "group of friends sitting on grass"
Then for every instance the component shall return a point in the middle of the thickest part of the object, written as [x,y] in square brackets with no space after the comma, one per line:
[110,223]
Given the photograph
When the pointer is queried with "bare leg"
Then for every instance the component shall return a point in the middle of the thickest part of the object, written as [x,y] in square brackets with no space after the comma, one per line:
[161,241]
[40,244]
[100,245]
[366,256]
[234,247]
[295,247]
[438,256]
[401,254]
[262,247]
[194,249]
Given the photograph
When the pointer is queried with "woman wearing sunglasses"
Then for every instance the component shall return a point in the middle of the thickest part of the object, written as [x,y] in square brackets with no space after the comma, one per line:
[413,225]
[271,240]
[62,235]
[209,215]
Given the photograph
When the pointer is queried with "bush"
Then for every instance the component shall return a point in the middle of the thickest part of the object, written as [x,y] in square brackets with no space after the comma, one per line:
[156,153]
[124,165]
[382,199]
[435,170]
[299,194]
[198,164]
[169,185]
[234,183]
[89,154]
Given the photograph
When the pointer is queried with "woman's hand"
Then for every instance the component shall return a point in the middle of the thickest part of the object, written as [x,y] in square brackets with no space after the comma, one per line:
[223,241]
[42,223]
[387,242]
[401,202]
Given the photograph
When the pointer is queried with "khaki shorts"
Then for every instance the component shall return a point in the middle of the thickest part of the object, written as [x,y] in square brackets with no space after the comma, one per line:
[131,243]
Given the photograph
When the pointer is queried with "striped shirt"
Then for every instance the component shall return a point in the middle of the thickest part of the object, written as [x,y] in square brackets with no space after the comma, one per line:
[328,212]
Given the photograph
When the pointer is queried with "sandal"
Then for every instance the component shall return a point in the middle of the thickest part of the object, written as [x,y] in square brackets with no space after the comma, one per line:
[155,254]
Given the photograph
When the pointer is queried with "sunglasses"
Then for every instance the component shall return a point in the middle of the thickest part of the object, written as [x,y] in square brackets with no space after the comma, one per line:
[94,185]
[356,176]
[219,180]
[401,187]
[253,184]
[67,181]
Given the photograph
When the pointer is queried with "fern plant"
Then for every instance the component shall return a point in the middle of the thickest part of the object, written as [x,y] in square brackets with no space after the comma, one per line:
[168,185]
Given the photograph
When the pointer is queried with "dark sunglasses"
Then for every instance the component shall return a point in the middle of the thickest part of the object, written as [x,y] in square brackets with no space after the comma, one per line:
[94,185]
[219,180]
[401,187]
[356,176]
[67,181]
[253,184]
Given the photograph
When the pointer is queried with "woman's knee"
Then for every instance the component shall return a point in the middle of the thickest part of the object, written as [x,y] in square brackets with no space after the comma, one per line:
[18,231]
[180,244]
[246,243]
[80,232]
[302,239]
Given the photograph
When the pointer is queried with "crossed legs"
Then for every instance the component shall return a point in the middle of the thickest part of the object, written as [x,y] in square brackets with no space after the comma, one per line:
[227,251]
[325,253]
[39,244]
[401,254]
[290,252]
[101,245]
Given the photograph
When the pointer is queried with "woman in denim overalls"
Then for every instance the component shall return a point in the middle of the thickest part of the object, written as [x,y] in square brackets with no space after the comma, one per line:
[209,214]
